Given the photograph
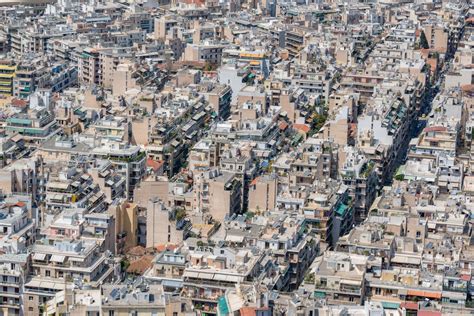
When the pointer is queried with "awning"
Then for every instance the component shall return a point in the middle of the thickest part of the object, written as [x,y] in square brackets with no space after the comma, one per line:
[410,305]
[190,274]
[220,277]
[57,258]
[455,295]
[234,238]
[59,286]
[76,259]
[39,256]
[390,305]
[234,278]
[351,282]
[59,185]
[319,294]
[406,260]
[172,283]
[223,307]
[206,275]
[424,293]
[341,209]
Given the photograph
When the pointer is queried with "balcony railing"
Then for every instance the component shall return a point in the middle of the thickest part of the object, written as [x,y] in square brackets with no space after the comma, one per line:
[321,287]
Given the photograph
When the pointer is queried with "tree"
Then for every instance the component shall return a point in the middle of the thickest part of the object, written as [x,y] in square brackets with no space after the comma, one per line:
[249,215]
[180,214]
[318,121]
[400,177]
[208,66]
[124,264]
[423,41]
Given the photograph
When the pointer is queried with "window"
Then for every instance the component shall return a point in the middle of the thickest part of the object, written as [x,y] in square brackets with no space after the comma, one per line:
[30,309]
[48,273]
[30,298]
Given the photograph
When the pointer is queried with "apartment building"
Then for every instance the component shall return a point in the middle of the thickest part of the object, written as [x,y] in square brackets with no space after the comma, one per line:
[35,126]
[70,259]
[13,271]
[168,269]
[144,300]
[204,52]
[7,75]
[89,67]
[29,75]
[210,275]
[340,278]
[360,176]
[218,193]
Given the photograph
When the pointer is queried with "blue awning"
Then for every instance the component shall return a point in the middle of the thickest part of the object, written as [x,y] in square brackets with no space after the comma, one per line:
[390,305]
[319,294]
[223,307]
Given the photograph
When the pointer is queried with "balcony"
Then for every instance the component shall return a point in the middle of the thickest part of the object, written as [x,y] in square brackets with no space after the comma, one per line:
[342,289]
[456,288]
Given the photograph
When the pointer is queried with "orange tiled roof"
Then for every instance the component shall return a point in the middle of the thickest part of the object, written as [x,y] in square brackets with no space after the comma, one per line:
[154,164]
[302,127]
[141,265]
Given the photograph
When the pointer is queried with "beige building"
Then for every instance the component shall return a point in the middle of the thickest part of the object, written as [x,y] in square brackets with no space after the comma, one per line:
[207,52]
[161,228]
[338,130]
[123,81]
[163,25]
[437,37]
[109,60]
[263,193]
[55,260]
[19,177]
[252,95]
[343,56]
[124,302]
[89,67]
[294,103]
[219,97]
[141,129]
[218,193]
[340,278]
[126,225]
[187,77]
[150,188]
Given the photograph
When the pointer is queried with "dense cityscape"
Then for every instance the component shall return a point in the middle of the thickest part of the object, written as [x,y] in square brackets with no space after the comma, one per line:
[236,157]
